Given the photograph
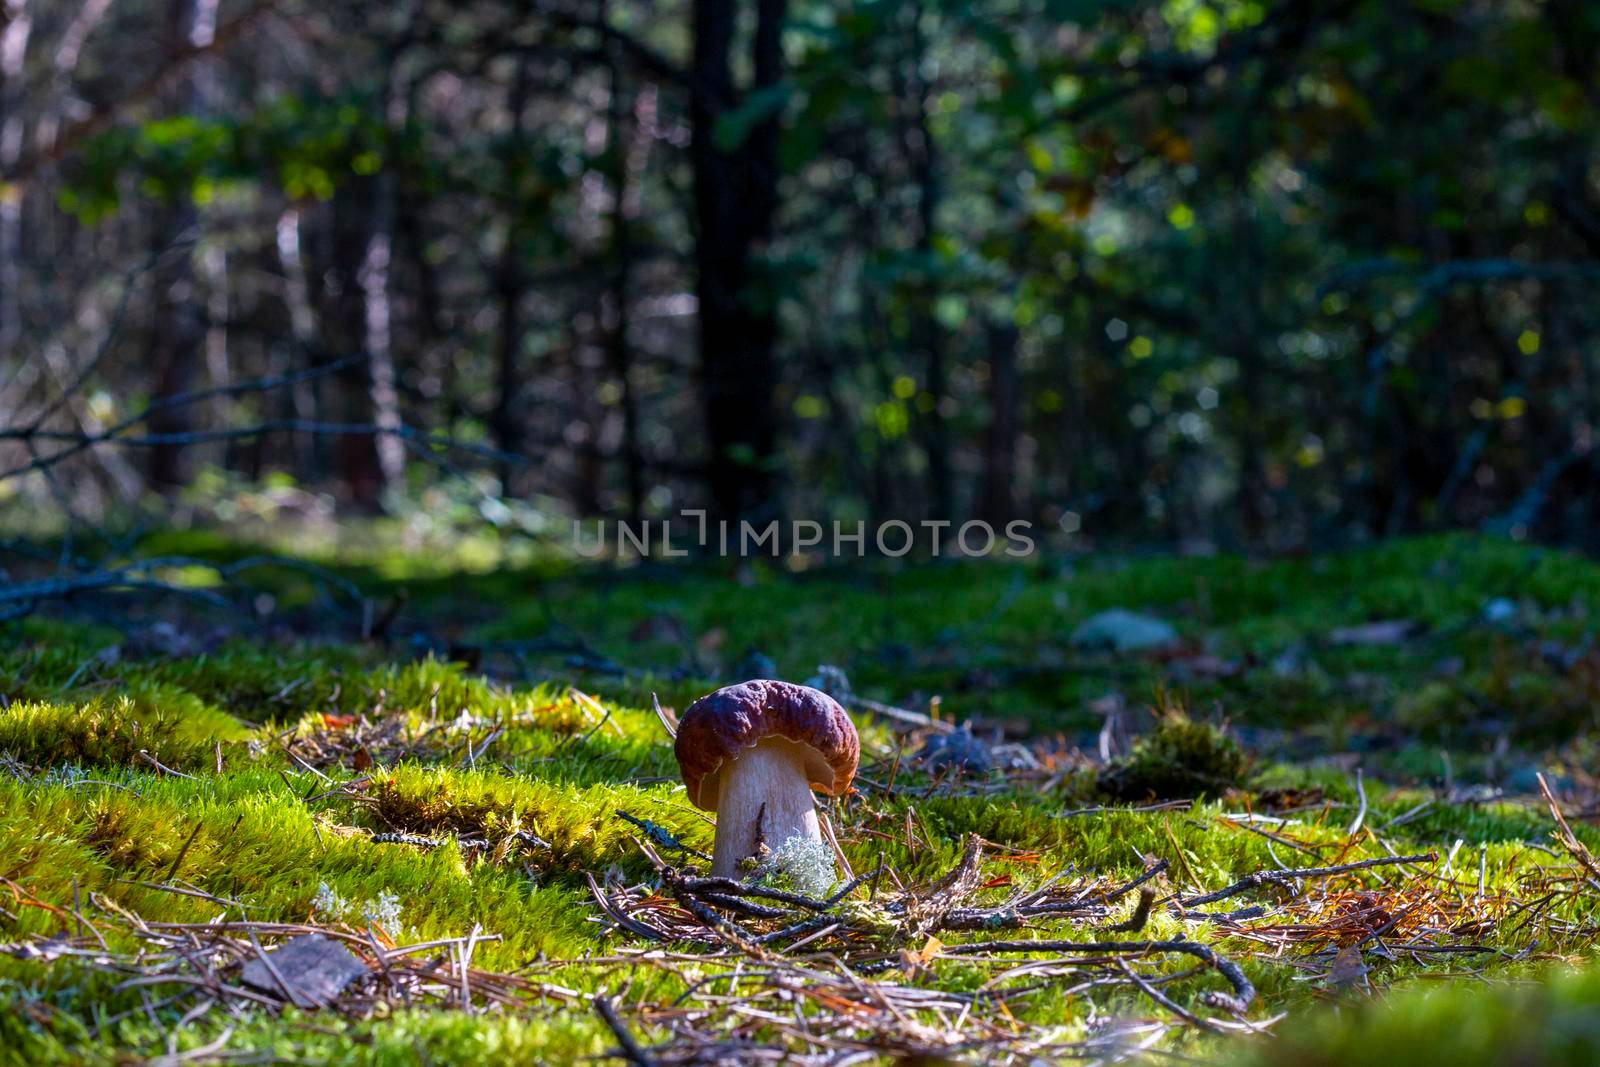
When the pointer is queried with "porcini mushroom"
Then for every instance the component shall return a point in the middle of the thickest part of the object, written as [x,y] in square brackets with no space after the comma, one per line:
[753,752]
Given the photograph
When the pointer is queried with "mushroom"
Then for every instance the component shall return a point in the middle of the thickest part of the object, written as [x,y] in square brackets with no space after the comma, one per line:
[753,752]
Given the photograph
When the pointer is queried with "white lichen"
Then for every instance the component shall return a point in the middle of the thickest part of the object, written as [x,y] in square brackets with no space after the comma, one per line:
[465,722]
[329,905]
[65,774]
[808,864]
[384,913]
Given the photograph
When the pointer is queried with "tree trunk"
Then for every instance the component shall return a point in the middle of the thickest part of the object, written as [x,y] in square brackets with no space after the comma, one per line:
[736,192]
[997,502]
[13,69]
[301,402]
[177,333]
[927,335]
[347,397]
[505,421]
[627,152]
[378,309]
[212,259]
[433,346]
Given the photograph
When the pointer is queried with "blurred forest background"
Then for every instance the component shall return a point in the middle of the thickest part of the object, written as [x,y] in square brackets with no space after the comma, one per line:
[1231,273]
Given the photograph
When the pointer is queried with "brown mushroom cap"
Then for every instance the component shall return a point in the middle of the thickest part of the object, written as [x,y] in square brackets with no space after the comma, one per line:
[718,727]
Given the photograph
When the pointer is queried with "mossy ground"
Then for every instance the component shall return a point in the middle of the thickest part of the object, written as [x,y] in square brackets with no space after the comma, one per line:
[289,754]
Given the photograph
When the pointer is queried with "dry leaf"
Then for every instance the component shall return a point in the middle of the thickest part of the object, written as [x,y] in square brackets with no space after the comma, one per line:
[1347,971]
[916,962]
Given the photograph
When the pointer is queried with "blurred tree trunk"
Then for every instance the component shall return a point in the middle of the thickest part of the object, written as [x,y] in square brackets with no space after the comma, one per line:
[377,306]
[211,261]
[219,372]
[362,319]
[927,336]
[303,401]
[736,197]
[177,333]
[13,69]
[175,339]
[433,346]
[997,499]
[1251,501]
[627,148]
[346,398]
[509,284]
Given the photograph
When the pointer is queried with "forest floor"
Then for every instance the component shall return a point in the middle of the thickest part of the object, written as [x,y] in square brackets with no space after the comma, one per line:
[1342,816]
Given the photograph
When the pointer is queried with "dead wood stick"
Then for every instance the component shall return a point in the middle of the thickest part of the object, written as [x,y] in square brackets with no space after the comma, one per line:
[144,754]
[1575,848]
[184,851]
[1361,812]
[915,719]
[1161,998]
[1243,991]
[1148,873]
[629,1049]
[183,891]
[619,917]
[1141,914]
[1260,878]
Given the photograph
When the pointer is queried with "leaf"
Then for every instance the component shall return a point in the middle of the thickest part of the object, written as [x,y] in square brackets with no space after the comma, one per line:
[1347,971]
[915,962]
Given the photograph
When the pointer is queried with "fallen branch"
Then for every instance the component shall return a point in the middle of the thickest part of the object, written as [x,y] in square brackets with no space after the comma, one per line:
[1243,991]
[1260,878]
[629,1048]
[1569,840]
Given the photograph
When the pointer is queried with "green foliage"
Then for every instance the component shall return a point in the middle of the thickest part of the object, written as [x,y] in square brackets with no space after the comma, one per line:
[308,145]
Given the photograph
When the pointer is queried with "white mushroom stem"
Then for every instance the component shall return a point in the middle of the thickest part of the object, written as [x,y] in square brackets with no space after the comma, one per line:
[765,799]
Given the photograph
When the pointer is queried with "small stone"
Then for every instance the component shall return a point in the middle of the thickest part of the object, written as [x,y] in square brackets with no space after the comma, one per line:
[1382,632]
[755,664]
[833,681]
[959,750]
[1500,610]
[314,968]
[1121,630]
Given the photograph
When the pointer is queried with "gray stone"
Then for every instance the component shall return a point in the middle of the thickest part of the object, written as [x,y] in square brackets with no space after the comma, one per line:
[958,750]
[754,664]
[314,968]
[1120,630]
[1500,610]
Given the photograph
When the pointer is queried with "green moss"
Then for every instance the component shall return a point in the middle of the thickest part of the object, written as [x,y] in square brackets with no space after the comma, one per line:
[105,732]
[578,824]
[1178,759]
[540,777]
[1547,1023]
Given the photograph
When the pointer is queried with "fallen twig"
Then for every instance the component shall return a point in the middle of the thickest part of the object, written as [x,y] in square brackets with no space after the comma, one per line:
[1260,878]
[629,1048]
[1243,991]
[1569,841]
